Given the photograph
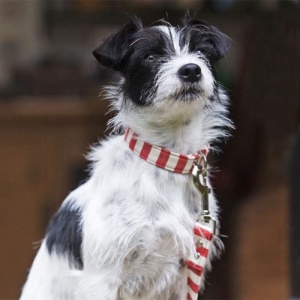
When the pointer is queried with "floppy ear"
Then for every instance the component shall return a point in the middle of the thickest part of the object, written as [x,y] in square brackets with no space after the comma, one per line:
[221,43]
[111,52]
[215,43]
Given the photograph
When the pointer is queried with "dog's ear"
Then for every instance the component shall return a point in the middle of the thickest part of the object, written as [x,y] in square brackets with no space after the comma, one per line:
[215,44]
[111,52]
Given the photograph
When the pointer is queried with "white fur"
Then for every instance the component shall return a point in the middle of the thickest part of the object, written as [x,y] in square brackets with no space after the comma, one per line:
[137,219]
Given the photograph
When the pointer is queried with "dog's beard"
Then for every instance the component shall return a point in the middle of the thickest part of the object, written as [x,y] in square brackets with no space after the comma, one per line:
[188,93]
[183,94]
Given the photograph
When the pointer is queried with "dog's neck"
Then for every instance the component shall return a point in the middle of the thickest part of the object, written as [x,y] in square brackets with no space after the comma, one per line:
[179,128]
[177,134]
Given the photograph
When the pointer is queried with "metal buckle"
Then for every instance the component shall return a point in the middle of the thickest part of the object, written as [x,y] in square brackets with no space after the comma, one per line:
[199,173]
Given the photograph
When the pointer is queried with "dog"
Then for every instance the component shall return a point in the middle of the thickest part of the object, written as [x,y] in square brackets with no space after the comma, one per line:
[127,231]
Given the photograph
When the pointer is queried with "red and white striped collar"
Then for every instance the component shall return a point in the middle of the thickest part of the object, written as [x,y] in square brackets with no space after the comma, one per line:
[162,157]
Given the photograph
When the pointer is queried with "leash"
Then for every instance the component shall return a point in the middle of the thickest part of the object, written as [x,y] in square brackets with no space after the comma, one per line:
[204,230]
[205,225]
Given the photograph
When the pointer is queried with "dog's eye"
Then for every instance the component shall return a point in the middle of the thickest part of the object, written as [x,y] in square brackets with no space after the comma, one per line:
[199,53]
[149,57]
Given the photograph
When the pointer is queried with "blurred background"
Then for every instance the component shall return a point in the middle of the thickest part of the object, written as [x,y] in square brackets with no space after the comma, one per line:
[50,113]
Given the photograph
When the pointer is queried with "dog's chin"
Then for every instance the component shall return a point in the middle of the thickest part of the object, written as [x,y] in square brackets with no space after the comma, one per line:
[188,95]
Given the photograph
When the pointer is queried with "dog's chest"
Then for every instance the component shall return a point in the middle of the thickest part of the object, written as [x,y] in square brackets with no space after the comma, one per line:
[153,264]
[160,204]
[145,217]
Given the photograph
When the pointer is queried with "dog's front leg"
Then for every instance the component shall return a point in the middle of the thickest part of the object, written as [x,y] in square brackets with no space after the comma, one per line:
[97,286]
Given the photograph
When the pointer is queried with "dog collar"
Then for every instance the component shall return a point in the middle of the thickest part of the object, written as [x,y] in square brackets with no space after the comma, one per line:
[162,157]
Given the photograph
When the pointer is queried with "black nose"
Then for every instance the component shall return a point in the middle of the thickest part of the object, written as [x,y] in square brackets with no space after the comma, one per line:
[190,73]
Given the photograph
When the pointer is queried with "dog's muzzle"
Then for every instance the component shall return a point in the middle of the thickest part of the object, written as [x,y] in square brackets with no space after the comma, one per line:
[190,73]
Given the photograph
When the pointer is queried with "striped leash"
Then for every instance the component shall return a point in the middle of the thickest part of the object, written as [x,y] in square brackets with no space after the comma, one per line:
[205,226]
[204,231]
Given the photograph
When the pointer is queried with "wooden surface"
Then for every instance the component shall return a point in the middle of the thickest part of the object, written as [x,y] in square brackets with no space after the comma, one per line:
[42,147]
[261,246]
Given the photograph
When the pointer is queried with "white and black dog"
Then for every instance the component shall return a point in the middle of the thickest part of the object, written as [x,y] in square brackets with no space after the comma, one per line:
[126,232]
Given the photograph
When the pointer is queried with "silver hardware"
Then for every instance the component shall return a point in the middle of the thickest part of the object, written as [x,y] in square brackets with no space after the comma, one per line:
[199,173]
[199,244]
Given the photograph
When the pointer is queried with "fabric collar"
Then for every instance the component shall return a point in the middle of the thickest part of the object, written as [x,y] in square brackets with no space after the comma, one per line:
[162,157]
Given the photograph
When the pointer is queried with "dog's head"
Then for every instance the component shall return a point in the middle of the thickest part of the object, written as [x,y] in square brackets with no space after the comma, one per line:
[164,66]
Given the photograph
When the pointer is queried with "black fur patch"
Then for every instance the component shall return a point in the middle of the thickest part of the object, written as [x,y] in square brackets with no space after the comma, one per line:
[205,38]
[112,51]
[64,234]
[150,49]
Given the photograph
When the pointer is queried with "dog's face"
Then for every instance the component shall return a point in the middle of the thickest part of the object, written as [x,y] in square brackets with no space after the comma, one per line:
[164,65]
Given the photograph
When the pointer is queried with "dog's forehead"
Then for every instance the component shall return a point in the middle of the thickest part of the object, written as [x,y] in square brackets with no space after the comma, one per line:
[173,35]
[164,35]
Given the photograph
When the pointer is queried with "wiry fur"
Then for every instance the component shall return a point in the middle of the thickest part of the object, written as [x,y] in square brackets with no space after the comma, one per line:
[126,232]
